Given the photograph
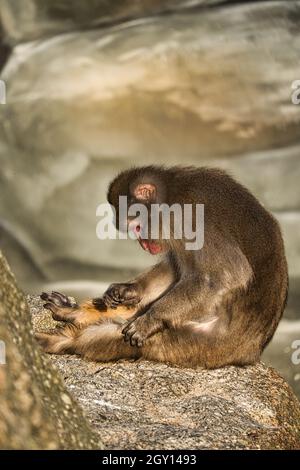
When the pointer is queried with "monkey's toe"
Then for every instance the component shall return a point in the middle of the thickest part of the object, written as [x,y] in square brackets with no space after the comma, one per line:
[58,299]
[49,306]
[99,304]
[65,301]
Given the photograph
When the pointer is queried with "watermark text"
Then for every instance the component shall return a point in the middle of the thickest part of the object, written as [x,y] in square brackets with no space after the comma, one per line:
[2,92]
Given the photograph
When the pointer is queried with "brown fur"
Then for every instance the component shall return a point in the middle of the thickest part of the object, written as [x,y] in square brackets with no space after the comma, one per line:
[216,306]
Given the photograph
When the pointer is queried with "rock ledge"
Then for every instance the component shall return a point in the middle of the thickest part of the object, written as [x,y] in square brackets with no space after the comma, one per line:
[143,405]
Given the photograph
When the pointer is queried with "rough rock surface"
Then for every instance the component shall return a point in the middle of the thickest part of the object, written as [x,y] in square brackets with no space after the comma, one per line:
[36,410]
[93,94]
[142,405]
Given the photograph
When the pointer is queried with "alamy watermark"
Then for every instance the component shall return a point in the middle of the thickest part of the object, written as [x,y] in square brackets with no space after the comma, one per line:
[179,222]
[2,92]
[2,353]
[296,354]
[296,92]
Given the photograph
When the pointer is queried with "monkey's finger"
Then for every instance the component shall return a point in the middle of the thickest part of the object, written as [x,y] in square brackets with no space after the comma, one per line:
[131,302]
[127,326]
[129,334]
[113,293]
[52,299]
[51,307]
[133,341]
[44,296]
[109,301]
[99,304]
[127,337]
[65,301]
[57,317]
[112,304]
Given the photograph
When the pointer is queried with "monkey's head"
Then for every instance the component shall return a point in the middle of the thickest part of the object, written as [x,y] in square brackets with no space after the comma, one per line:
[145,188]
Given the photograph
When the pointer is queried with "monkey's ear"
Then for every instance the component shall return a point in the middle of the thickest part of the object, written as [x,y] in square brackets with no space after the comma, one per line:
[145,192]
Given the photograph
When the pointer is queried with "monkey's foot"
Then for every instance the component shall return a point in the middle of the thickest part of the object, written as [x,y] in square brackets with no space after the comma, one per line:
[59,341]
[59,305]
[45,341]
[87,313]
[63,309]
[125,294]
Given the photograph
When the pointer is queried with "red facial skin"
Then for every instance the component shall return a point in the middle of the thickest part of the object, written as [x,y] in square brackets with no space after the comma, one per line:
[154,248]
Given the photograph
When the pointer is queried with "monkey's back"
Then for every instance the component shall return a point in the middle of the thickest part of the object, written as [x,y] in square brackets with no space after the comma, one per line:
[258,235]
[233,212]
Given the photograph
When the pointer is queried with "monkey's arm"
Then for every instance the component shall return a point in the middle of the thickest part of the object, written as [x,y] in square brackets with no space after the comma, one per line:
[142,290]
[168,311]
[195,295]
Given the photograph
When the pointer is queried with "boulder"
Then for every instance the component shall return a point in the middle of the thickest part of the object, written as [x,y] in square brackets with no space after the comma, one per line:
[144,405]
[284,351]
[36,410]
[94,94]
[135,405]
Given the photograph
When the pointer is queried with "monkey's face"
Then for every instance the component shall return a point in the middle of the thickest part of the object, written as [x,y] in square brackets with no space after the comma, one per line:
[137,227]
[135,216]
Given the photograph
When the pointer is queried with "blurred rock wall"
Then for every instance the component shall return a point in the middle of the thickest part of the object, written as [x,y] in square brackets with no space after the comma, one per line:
[94,87]
[33,19]
[203,86]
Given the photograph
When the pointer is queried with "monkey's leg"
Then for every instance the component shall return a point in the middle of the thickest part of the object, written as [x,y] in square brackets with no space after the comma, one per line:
[104,342]
[60,341]
[100,342]
[197,297]
[81,315]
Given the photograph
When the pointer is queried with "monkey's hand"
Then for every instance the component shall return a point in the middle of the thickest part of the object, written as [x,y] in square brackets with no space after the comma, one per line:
[126,294]
[137,330]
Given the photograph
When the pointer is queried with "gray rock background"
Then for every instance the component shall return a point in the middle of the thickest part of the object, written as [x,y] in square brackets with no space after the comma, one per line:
[94,87]
[33,19]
